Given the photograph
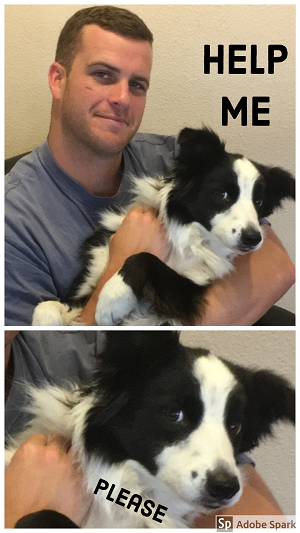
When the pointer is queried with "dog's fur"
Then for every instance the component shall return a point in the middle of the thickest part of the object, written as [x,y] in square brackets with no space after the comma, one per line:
[164,422]
[211,207]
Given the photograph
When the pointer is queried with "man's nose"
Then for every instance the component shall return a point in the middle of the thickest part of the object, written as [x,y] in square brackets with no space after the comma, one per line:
[120,94]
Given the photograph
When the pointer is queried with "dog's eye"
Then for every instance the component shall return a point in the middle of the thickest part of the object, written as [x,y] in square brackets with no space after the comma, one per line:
[174,415]
[234,429]
[222,195]
[258,202]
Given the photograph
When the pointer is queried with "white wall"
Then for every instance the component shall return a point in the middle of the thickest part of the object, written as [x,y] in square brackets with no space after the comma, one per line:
[180,93]
[275,350]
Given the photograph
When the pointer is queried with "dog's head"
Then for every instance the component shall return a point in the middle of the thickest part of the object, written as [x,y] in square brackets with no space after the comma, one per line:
[226,193]
[183,414]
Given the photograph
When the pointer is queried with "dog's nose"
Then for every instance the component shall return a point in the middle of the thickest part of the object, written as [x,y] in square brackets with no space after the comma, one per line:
[221,486]
[250,237]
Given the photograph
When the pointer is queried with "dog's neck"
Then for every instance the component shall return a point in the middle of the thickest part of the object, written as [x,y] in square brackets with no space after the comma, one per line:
[133,477]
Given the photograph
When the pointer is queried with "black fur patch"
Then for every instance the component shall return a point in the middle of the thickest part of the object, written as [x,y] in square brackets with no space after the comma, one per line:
[170,294]
[98,238]
[143,377]
[269,398]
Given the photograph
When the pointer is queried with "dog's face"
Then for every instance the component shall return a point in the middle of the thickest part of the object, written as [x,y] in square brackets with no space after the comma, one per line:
[206,421]
[183,414]
[234,218]
[226,194]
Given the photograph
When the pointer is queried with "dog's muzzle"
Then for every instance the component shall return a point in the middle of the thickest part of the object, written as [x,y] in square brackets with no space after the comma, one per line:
[250,238]
[220,487]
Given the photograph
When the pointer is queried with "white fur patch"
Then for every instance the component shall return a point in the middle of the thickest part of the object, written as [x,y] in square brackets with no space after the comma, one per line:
[97,265]
[228,225]
[116,301]
[55,314]
[246,171]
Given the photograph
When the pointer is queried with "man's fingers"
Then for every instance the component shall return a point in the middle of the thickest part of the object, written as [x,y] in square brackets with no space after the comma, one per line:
[38,439]
[146,209]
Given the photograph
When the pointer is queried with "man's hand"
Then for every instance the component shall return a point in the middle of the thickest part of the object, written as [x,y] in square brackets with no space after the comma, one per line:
[43,475]
[140,231]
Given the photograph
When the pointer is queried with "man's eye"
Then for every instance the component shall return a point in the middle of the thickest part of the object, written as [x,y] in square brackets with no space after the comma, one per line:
[138,87]
[102,75]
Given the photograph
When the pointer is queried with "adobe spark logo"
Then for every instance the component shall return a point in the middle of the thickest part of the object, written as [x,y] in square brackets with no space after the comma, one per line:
[224,523]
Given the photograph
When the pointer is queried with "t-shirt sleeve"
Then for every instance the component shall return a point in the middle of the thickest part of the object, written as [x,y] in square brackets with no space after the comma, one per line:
[155,153]
[27,282]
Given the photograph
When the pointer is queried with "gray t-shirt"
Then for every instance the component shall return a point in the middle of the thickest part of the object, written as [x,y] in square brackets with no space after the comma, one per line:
[56,357]
[49,214]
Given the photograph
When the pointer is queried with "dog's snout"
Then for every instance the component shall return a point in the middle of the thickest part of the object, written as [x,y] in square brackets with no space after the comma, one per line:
[250,237]
[221,485]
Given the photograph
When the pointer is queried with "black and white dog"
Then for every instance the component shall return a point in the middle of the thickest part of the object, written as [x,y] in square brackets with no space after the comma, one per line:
[159,429]
[211,206]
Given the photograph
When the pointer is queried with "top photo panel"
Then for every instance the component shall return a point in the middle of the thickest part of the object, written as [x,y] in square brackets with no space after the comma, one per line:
[150,165]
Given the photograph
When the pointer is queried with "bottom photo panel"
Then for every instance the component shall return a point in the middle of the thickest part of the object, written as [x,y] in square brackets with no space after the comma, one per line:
[150,429]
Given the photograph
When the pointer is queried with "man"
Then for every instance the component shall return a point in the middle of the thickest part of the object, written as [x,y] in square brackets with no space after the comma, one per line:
[99,82]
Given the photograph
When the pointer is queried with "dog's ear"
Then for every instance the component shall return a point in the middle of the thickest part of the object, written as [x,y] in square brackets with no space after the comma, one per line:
[200,147]
[129,355]
[280,184]
[269,399]
[134,347]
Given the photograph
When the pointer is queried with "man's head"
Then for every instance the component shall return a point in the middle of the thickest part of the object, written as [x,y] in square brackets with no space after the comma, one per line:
[100,78]
[110,18]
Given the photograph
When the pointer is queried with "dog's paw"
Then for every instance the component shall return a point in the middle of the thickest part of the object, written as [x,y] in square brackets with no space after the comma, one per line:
[54,314]
[195,240]
[115,303]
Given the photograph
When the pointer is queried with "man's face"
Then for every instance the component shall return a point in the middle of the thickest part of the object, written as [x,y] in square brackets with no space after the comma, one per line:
[104,96]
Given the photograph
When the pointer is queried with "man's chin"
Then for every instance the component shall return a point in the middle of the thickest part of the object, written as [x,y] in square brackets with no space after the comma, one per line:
[113,143]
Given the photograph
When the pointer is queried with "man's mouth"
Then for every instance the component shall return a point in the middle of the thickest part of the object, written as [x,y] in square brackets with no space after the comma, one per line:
[113,118]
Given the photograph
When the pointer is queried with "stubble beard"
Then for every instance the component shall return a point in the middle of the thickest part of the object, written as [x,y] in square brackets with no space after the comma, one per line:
[78,132]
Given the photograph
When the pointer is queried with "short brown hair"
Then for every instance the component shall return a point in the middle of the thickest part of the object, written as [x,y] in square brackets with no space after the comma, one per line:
[111,18]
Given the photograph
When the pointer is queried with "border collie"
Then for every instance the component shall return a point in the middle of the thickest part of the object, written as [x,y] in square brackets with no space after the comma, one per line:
[159,429]
[211,206]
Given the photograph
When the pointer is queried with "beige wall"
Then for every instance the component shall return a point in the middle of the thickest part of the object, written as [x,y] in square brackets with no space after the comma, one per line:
[275,350]
[180,93]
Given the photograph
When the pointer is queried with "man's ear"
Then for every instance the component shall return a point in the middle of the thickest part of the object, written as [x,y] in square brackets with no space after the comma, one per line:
[57,79]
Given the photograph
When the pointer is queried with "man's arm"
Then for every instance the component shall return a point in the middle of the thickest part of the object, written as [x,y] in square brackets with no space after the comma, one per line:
[241,298]
[259,280]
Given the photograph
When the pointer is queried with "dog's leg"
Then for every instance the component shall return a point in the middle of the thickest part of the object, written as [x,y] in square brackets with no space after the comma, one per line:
[145,278]
[115,303]
[55,314]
